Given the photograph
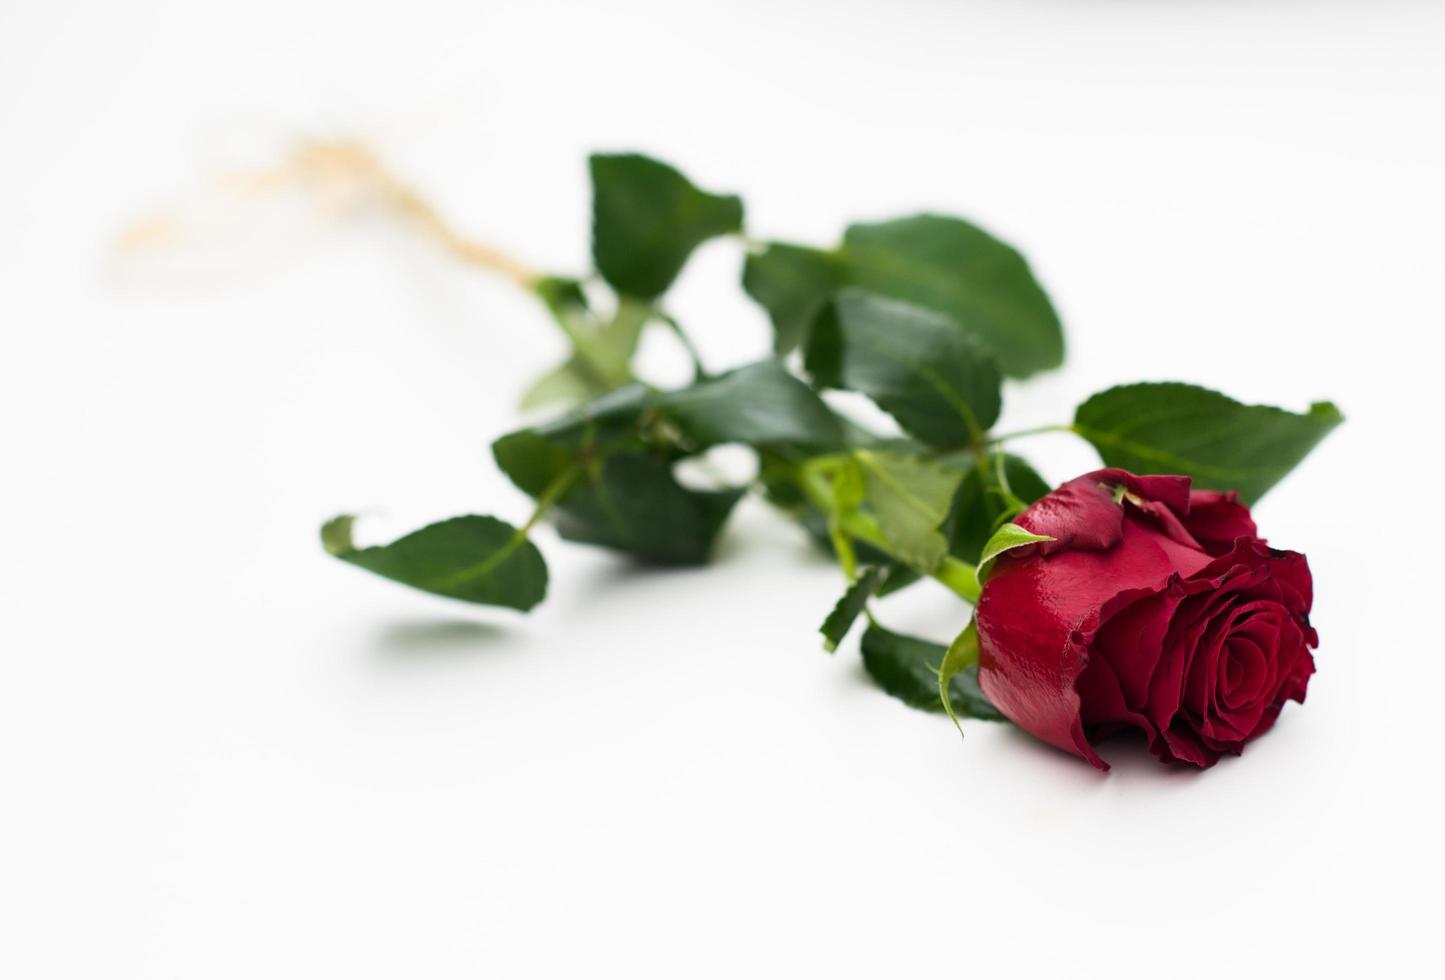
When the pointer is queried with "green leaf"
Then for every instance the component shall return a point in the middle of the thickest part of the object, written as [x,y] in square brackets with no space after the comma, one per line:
[1007,538]
[983,502]
[1196,432]
[962,655]
[610,347]
[632,503]
[533,461]
[610,421]
[815,524]
[850,607]
[476,559]
[336,534]
[602,350]
[646,220]
[908,668]
[536,458]
[956,268]
[792,282]
[760,405]
[625,496]
[941,385]
[909,496]
[566,384]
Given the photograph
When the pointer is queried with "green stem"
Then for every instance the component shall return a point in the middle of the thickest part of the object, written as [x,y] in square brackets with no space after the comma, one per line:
[566,317]
[554,492]
[606,365]
[698,371]
[960,577]
[1021,433]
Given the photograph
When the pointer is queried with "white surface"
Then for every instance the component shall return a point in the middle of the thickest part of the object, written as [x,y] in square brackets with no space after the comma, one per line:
[225,755]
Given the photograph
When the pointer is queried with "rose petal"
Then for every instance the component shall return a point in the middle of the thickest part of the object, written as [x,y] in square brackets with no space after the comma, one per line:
[1218,519]
[1035,617]
[1246,673]
[1132,641]
[1103,707]
[1289,570]
[1082,514]
[1298,683]
[1182,744]
[1202,601]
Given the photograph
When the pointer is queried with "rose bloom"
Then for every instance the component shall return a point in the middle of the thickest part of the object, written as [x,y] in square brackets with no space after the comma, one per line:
[1155,608]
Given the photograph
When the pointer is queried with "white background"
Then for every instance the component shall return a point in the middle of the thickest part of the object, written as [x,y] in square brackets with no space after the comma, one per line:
[224,755]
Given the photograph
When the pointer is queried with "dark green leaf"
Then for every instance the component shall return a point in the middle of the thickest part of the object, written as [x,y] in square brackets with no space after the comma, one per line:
[778,477]
[760,405]
[625,495]
[850,607]
[610,421]
[792,282]
[646,220]
[632,502]
[899,577]
[938,382]
[907,668]
[534,459]
[477,559]
[1196,432]
[982,503]
[949,265]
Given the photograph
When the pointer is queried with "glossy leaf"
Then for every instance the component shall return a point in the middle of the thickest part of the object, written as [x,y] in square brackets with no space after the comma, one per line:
[1183,429]
[792,282]
[611,421]
[624,495]
[536,459]
[954,267]
[632,502]
[907,668]
[476,559]
[760,405]
[1007,538]
[646,220]
[850,607]
[941,385]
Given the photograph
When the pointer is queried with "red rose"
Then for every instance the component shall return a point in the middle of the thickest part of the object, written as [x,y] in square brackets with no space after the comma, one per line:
[1154,608]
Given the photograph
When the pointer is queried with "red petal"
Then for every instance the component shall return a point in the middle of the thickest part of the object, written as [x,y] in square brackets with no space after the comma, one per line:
[1083,513]
[1216,519]
[1035,618]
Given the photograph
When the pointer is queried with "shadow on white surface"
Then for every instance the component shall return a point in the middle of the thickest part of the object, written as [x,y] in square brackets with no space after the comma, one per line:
[424,639]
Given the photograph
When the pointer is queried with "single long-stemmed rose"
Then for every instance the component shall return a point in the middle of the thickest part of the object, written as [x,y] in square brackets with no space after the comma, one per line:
[1116,601]
[1149,607]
